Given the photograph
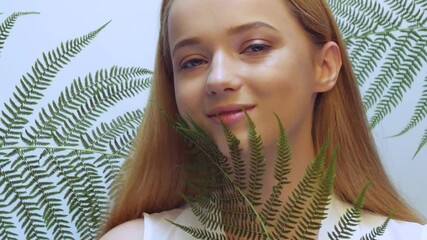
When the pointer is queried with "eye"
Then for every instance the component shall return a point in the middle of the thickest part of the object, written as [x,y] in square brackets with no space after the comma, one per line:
[255,48]
[192,63]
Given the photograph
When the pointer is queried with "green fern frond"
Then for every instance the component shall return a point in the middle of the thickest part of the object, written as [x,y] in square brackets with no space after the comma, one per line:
[387,43]
[360,18]
[422,144]
[199,139]
[282,168]
[351,218]
[16,197]
[7,228]
[75,96]
[94,191]
[53,214]
[257,164]
[123,143]
[419,114]
[316,212]
[8,24]
[33,83]
[203,146]
[415,58]
[205,208]
[35,184]
[229,210]
[408,10]
[366,54]
[78,123]
[225,211]
[104,134]
[74,195]
[378,231]
[422,4]
[400,60]
[236,158]
[293,208]
[200,233]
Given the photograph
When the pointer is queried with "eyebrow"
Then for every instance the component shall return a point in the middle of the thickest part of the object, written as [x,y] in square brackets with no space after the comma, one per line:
[249,26]
[231,31]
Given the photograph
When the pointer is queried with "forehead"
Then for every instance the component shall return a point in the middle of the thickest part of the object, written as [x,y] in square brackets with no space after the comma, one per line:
[212,16]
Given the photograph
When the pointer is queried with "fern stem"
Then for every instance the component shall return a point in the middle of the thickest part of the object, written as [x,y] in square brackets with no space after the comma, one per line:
[61,148]
[387,31]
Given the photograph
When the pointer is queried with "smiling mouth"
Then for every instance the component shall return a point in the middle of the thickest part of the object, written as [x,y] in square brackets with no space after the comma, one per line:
[228,117]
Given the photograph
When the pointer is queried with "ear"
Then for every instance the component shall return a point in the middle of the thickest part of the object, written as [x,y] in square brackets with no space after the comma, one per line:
[329,66]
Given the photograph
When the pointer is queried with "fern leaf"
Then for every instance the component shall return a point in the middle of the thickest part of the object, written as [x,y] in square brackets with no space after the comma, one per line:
[78,123]
[293,208]
[421,4]
[69,185]
[7,227]
[282,168]
[391,33]
[317,209]
[366,53]
[398,59]
[93,189]
[8,24]
[351,218]
[378,231]
[419,114]
[199,138]
[121,130]
[239,172]
[422,144]
[14,193]
[73,97]
[200,233]
[410,65]
[257,165]
[408,10]
[33,83]
[37,187]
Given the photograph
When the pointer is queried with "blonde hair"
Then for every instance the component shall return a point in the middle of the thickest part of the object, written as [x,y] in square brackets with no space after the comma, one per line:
[152,182]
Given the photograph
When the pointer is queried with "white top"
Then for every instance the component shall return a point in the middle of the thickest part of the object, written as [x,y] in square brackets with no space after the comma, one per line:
[156,227]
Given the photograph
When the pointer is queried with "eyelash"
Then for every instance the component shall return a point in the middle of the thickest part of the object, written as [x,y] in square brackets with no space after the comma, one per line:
[263,46]
[189,63]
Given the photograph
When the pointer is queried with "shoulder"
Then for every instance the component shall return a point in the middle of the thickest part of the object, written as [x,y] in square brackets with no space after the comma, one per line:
[131,230]
[154,226]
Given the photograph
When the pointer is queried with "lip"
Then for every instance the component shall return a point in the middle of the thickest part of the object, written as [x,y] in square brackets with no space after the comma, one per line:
[229,114]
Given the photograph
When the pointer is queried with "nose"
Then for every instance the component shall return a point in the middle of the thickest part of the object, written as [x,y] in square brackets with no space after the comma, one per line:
[223,77]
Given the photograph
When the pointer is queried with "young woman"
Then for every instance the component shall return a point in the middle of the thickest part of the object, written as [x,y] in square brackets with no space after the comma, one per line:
[216,58]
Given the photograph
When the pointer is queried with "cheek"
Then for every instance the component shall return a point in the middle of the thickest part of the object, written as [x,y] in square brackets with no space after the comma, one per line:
[286,70]
[188,97]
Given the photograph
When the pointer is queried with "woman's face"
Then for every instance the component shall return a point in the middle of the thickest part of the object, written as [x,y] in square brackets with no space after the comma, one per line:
[230,55]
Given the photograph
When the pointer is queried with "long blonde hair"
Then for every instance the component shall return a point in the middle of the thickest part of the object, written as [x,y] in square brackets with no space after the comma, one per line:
[152,182]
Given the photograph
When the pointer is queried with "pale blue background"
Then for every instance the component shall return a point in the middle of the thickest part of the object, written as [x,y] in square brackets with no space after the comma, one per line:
[130,40]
